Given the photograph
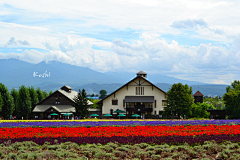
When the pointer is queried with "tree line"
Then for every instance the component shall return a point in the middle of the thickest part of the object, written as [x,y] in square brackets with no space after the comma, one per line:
[180,102]
[20,102]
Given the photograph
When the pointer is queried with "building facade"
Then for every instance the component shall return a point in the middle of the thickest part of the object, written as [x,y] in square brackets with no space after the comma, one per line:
[198,97]
[59,102]
[138,96]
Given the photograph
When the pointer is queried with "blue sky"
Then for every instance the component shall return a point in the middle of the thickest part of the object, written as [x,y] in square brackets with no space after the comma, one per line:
[192,40]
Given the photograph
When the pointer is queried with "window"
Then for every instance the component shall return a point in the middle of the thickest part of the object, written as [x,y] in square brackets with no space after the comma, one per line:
[123,103]
[114,102]
[57,100]
[111,111]
[155,113]
[164,102]
[155,103]
[139,90]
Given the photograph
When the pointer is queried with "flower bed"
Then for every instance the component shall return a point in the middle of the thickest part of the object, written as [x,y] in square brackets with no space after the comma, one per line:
[125,134]
[94,123]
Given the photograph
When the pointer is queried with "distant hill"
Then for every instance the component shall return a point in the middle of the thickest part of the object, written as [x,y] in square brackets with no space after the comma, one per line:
[206,90]
[53,75]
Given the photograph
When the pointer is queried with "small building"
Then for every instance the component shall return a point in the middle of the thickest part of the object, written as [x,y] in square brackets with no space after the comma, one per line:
[59,102]
[217,113]
[198,97]
[138,96]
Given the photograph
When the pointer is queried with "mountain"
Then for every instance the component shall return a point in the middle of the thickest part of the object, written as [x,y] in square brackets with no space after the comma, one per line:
[155,78]
[207,90]
[53,75]
[14,73]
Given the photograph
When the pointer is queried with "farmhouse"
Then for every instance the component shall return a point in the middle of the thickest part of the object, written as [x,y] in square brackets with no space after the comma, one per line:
[138,96]
[59,103]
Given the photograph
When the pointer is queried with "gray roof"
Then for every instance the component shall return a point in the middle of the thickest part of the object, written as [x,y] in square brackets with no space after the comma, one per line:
[71,95]
[68,87]
[141,72]
[59,108]
[149,99]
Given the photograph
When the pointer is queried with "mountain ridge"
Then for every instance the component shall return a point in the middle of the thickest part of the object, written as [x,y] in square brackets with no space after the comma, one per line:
[14,73]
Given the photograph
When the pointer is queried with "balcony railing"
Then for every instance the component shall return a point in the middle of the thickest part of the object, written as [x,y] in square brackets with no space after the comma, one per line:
[139,109]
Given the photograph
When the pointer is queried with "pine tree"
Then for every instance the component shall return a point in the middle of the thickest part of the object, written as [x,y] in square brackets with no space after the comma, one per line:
[33,96]
[23,102]
[45,94]
[81,103]
[39,94]
[8,105]
[1,103]
[14,94]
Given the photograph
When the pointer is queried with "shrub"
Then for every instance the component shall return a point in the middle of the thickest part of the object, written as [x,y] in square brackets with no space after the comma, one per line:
[156,157]
[12,156]
[143,145]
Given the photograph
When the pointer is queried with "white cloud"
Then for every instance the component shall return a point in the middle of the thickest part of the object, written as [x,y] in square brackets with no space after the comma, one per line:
[189,24]
[95,34]
[13,42]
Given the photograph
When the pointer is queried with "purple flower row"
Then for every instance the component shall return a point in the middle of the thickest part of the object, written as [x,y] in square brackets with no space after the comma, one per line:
[171,140]
[118,123]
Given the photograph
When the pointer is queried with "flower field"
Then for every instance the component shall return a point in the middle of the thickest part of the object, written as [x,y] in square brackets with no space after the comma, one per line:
[115,139]
[126,132]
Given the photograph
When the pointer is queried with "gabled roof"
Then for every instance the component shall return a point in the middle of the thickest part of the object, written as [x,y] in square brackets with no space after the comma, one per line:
[59,108]
[69,95]
[198,94]
[129,83]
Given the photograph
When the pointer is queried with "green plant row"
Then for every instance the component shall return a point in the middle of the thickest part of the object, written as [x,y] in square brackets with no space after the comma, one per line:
[68,150]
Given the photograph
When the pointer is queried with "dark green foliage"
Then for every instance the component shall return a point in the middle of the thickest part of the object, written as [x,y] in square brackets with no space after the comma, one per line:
[23,102]
[45,94]
[103,94]
[232,100]
[81,103]
[39,94]
[33,96]
[14,94]
[1,102]
[49,93]
[7,100]
[199,110]
[180,100]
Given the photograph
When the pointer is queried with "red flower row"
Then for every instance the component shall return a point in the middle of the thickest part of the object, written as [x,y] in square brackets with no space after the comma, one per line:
[124,131]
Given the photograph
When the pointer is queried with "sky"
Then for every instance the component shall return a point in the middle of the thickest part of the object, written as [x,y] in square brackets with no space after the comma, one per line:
[193,40]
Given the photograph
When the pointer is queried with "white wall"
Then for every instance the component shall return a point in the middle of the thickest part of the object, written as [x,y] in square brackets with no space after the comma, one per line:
[131,91]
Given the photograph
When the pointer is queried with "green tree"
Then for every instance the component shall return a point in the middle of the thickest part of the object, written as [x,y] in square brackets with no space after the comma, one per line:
[45,94]
[1,103]
[199,110]
[33,96]
[8,105]
[94,101]
[232,100]
[81,103]
[14,94]
[214,101]
[23,102]
[103,94]
[49,93]
[39,94]
[179,101]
